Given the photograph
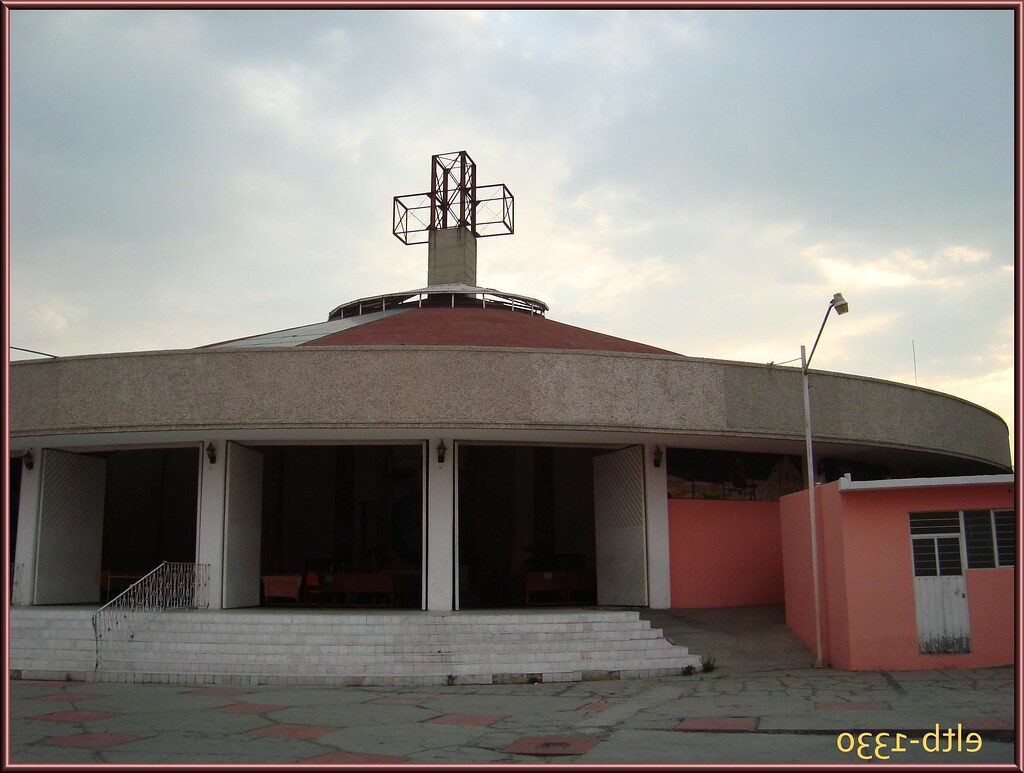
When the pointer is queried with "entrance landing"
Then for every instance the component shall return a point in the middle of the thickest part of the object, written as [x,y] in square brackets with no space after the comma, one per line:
[364,647]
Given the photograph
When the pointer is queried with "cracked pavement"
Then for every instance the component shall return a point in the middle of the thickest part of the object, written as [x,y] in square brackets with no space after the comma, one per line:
[767,707]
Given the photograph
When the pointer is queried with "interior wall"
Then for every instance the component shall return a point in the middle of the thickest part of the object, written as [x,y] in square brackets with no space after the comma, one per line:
[573,527]
[725,553]
[521,508]
[341,508]
[307,501]
[151,508]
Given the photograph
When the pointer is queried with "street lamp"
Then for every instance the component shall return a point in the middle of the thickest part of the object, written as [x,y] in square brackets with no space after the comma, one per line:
[841,306]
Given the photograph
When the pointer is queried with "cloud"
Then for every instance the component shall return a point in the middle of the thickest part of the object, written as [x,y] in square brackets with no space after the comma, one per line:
[961,253]
[47,319]
[699,181]
[900,268]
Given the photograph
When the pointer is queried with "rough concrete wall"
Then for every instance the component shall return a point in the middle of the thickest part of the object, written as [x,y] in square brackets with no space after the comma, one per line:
[486,387]
[451,257]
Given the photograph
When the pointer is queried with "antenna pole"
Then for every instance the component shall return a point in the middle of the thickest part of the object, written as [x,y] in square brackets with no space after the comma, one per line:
[913,348]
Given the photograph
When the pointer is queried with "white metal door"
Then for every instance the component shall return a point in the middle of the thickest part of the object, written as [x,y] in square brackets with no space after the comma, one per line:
[940,595]
[619,527]
[69,548]
[243,515]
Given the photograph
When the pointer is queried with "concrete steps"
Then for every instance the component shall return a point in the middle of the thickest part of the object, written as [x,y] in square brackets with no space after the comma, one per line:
[343,647]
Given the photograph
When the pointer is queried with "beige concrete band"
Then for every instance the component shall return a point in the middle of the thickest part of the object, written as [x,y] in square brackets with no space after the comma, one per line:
[485,387]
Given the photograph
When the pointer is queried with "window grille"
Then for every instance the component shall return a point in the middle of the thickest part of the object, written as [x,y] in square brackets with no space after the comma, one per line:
[989,539]
[935,523]
[1005,524]
[981,551]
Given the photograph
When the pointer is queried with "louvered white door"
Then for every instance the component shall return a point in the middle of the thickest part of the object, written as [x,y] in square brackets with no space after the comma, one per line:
[619,528]
[243,515]
[69,548]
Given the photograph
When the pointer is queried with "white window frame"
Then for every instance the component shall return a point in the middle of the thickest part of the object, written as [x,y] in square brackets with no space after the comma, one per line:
[964,561]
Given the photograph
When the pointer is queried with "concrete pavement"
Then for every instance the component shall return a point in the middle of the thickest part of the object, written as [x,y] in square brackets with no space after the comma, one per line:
[763,703]
[780,716]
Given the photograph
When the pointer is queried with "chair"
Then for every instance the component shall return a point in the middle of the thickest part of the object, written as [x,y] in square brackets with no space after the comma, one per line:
[314,589]
[379,586]
[282,586]
[559,584]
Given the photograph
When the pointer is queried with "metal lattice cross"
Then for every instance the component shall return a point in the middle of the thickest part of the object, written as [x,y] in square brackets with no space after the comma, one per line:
[454,201]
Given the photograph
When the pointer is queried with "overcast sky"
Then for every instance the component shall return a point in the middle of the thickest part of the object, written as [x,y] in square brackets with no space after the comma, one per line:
[702,181]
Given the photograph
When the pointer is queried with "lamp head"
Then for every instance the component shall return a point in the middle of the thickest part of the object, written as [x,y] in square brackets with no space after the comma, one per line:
[840,304]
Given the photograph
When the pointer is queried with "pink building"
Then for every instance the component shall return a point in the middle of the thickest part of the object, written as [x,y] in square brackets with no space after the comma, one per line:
[914,573]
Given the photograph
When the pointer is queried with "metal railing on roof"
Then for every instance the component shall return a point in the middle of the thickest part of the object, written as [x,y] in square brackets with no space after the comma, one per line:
[440,295]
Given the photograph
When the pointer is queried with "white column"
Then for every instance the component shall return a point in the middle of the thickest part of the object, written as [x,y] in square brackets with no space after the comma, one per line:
[210,534]
[656,480]
[28,528]
[440,526]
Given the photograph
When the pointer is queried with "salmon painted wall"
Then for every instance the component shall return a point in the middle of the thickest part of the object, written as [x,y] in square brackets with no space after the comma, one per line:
[879,588]
[796,561]
[868,606]
[724,553]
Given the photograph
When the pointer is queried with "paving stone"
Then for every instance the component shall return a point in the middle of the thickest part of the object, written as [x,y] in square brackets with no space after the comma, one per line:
[595,708]
[93,740]
[466,719]
[352,758]
[404,739]
[718,724]
[76,717]
[987,723]
[851,705]
[300,732]
[248,708]
[65,696]
[551,746]
[398,701]
[217,692]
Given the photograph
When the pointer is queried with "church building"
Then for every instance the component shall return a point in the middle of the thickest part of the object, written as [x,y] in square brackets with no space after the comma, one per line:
[445,485]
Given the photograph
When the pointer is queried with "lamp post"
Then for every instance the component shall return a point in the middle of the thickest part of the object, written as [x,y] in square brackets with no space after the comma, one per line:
[841,305]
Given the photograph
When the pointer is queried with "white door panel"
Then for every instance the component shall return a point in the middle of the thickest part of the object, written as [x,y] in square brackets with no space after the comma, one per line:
[943,617]
[620,527]
[243,515]
[69,549]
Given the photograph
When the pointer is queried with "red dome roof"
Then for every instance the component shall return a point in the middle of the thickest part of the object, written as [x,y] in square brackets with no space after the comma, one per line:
[478,327]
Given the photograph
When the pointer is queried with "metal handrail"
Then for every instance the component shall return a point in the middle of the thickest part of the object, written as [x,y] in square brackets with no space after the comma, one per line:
[172,585]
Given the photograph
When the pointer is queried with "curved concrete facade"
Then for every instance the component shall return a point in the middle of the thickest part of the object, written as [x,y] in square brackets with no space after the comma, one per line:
[487,387]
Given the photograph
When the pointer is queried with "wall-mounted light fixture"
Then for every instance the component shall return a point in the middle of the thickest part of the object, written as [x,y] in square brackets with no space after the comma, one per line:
[211,453]
[658,456]
[442,449]
[28,461]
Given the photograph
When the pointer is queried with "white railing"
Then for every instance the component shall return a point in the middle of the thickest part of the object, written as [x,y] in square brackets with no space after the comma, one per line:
[169,586]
